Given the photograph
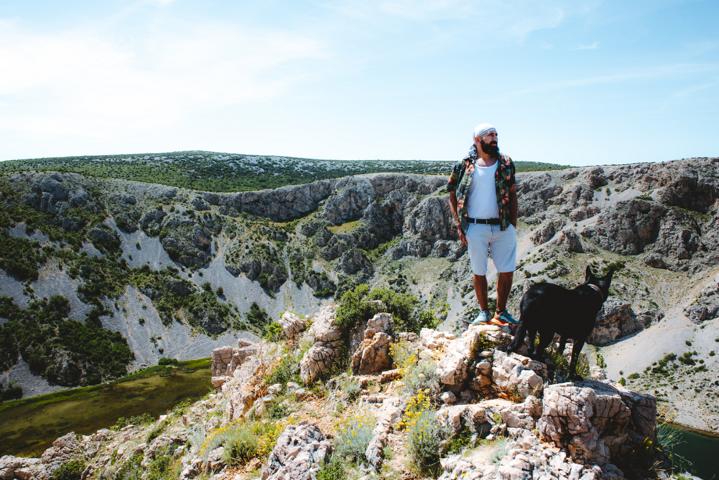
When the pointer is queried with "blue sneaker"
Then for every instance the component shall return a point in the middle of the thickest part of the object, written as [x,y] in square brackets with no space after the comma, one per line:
[503,318]
[483,317]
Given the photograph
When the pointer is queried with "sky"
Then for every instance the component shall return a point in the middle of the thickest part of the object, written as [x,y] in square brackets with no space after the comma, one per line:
[580,82]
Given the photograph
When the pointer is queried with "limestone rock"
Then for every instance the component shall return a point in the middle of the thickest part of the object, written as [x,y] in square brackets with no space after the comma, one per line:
[518,376]
[628,227]
[706,305]
[327,337]
[372,356]
[389,414]
[292,325]
[570,241]
[615,320]
[298,453]
[596,422]
[453,368]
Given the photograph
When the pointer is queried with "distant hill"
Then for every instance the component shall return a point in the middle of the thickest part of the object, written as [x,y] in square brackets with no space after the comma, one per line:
[229,172]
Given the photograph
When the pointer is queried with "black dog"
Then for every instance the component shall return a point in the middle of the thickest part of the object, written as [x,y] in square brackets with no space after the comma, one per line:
[548,309]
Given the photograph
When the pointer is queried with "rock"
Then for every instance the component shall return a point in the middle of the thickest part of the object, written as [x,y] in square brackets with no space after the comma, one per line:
[372,355]
[453,368]
[546,231]
[390,375]
[104,238]
[388,415]
[225,360]
[596,178]
[628,227]
[570,241]
[298,453]
[583,212]
[691,191]
[151,222]
[355,260]
[517,376]
[615,320]
[292,325]
[448,398]
[596,422]
[20,467]
[352,197]
[431,220]
[705,306]
[323,354]
[199,204]
[435,340]
[380,322]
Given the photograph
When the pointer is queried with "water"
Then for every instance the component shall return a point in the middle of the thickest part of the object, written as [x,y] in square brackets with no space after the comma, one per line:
[701,450]
[29,426]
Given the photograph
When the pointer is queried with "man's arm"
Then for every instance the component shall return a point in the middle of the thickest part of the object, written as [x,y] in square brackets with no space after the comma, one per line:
[455,216]
[513,206]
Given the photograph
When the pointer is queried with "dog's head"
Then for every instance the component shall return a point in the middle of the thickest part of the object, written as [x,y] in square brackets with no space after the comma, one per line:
[601,282]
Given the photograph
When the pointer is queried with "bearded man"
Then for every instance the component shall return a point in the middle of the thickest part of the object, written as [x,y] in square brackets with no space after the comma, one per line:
[483,202]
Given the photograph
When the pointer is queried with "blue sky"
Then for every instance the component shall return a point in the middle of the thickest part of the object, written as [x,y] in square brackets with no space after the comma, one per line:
[575,82]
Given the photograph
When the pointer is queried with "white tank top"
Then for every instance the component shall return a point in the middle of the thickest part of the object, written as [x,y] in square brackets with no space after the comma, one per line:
[482,198]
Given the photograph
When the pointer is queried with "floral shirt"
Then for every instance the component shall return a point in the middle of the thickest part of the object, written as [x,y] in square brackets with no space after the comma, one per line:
[461,178]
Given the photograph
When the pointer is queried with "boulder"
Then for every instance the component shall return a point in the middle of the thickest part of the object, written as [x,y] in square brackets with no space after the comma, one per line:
[298,454]
[292,325]
[547,230]
[517,376]
[372,355]
[453,368]
[570,241]
[325,351]
[596,422]
[706,305]
[615,320]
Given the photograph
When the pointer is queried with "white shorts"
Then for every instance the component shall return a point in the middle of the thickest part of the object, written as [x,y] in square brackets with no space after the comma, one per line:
[490,241]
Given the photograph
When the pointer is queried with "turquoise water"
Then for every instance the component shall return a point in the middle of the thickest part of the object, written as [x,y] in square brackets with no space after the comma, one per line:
[701,450]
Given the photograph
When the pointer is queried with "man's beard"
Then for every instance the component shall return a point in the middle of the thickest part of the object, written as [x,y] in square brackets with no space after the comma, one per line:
[490,148]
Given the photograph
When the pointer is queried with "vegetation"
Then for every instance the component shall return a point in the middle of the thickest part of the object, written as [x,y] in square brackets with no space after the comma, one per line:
[64,351]
[224,172]
[361,303]
[353,438]
[424,443]
[70,470]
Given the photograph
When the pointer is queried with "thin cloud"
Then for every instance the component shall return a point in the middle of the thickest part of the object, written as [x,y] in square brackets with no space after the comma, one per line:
[88,83]
[589,46]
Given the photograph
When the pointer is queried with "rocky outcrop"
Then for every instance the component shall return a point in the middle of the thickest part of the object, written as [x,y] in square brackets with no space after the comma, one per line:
[706,305]
[596,422]
[186,241]
[298,454]
[353,195]
[292,325]
[372,355]
[325,351]
[225,360]
[615,320]
[518,376]
[629,227]
[570,241]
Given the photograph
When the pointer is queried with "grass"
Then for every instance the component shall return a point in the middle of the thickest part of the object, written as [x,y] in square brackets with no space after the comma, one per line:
[28,426]
[345,227]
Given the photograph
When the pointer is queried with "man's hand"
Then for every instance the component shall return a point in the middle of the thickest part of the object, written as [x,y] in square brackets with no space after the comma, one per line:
[462,236]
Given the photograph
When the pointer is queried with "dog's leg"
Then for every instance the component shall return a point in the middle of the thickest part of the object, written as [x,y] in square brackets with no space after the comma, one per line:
[518,338]
[562,344]
[532,337]
[576,349]
[545,338]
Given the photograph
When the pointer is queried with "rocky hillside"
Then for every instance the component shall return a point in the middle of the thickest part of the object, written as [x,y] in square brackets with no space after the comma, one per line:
[228,172]
[100,276]
[408,405]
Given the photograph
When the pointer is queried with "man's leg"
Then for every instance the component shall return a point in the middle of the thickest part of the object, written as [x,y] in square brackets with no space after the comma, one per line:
[480,289]
[504,285]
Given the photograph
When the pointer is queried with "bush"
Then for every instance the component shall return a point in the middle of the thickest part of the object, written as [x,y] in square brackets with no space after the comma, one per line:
[142,419]
[273,332]
[424,443]
[416,406]
[353,438]
[332,470]
[422,377]
[168,361]
[358,305]
[11,392]
[288,369]
[71,470]
[241,445]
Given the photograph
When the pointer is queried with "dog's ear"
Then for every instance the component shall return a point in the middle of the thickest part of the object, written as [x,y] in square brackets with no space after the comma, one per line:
[588,273]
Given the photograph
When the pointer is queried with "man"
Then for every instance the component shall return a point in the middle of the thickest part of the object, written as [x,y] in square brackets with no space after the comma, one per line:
[483,202]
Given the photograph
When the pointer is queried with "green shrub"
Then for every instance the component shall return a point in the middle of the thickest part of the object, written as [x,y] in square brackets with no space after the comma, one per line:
[287,370]
[11,392]
[358,305]
[332,470]
[353,438]
[424,443]
[241,445]
[349,387]
[168,361]
[421,376]
[273,332]
[70,470]
[142,419]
